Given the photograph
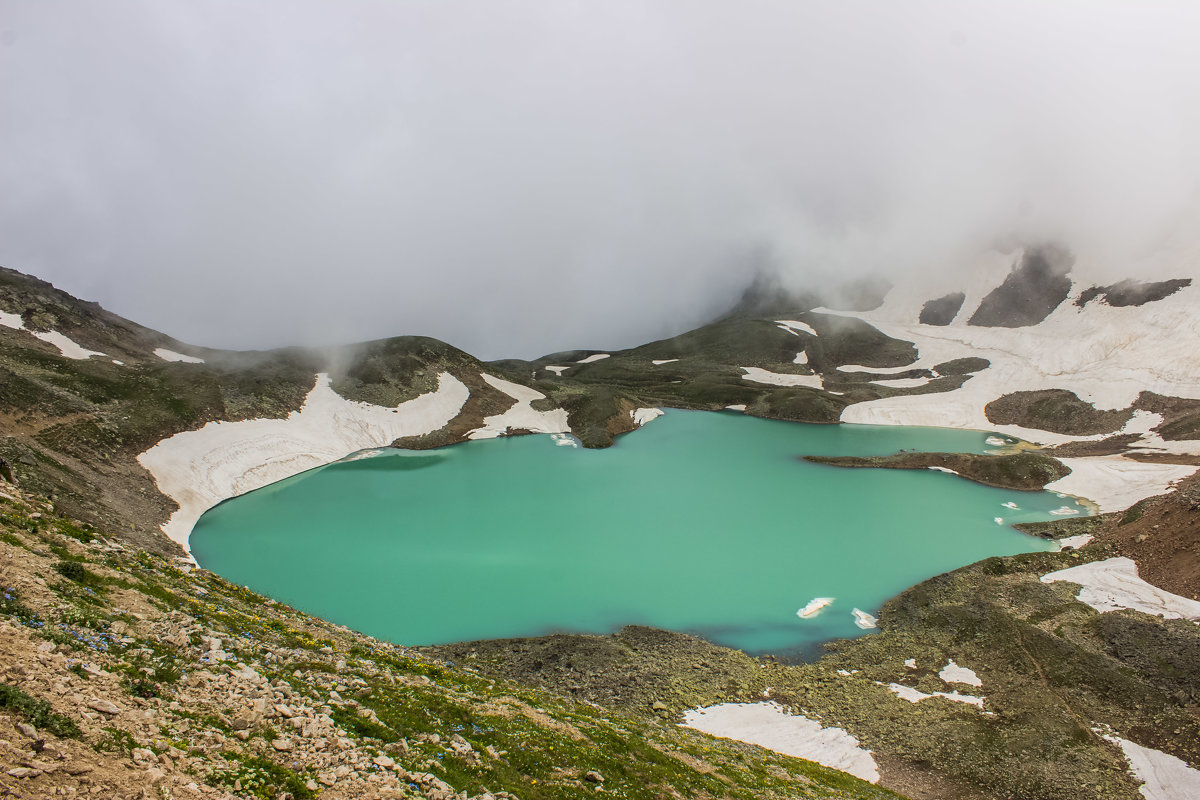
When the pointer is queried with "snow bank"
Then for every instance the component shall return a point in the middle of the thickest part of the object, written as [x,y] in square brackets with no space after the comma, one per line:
[171,355]
[67,347]
[200,468]
[1114,584]
[768,725]
[875,370]
[759,375]
[1163,776]
[592,358]
[522,416]
[953,673]
[658,362]
[641,416]
[1115,483]
[557,370]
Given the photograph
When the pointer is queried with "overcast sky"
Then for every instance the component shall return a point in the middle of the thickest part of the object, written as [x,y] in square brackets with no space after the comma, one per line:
[521,177]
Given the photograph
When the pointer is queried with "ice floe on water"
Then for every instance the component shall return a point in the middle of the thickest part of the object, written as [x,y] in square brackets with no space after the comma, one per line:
[864,620]
[171,355]
[1012,505]
[953,673]
[1113,584]
[814,607]
[1064,511]
[564,440]
[769,725]
[995,441]
[998,520]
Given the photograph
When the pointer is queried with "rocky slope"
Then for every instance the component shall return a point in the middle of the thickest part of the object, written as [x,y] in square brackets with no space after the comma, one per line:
[135,433]
[127,677]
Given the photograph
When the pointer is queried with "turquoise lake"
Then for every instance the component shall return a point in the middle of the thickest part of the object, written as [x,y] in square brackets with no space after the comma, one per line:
[700,522]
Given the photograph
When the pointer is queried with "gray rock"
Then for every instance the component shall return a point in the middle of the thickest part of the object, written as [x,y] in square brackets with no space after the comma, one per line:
[105,707]
[593,776]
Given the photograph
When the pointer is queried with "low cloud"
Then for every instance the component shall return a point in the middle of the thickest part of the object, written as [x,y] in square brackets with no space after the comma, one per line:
[523,177]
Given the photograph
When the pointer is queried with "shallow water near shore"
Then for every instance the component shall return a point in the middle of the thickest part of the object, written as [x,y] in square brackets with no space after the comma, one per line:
[706,523]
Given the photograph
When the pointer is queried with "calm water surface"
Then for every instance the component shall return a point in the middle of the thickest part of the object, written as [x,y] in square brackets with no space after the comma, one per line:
[700,522]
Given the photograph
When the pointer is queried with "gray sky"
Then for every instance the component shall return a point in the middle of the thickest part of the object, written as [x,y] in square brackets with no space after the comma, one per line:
[520,177]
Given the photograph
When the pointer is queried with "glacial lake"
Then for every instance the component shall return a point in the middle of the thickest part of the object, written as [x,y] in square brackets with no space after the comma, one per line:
[707,523]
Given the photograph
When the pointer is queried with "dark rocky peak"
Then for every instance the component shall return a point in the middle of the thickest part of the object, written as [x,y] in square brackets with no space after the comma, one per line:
[1037,285]
[768,296]
[943,310]
[1131,292]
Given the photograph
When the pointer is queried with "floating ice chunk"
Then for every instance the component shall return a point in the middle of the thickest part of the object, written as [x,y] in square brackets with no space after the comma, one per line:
[1064,511]
[998,520]
[1011,504]
[591,358]
[658,362]
[171,355]
[953,673]
[795,326]
[1114,584]
[759,375]
[864,620]
[814,607]
[564,440]
[995,441]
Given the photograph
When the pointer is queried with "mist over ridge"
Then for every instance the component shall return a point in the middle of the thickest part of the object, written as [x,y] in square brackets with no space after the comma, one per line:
[528,177]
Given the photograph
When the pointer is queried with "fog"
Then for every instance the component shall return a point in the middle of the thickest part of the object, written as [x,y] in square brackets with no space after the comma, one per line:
[523,177]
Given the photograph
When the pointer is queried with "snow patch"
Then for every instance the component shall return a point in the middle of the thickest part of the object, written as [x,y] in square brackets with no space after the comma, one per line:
[947,470]
[876,370]
[795,327]
[658,362]
[915,695]
[591,358]
[200,468]
[1116,483]
[768,725]
[1073,542]
[911,663]
[171,355]
[759,375]
[521,416]
[736,407]
[66,346]
[1163,776]
[801,357]
[557,370]
[953,673]
[1114,584]
[902,383]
